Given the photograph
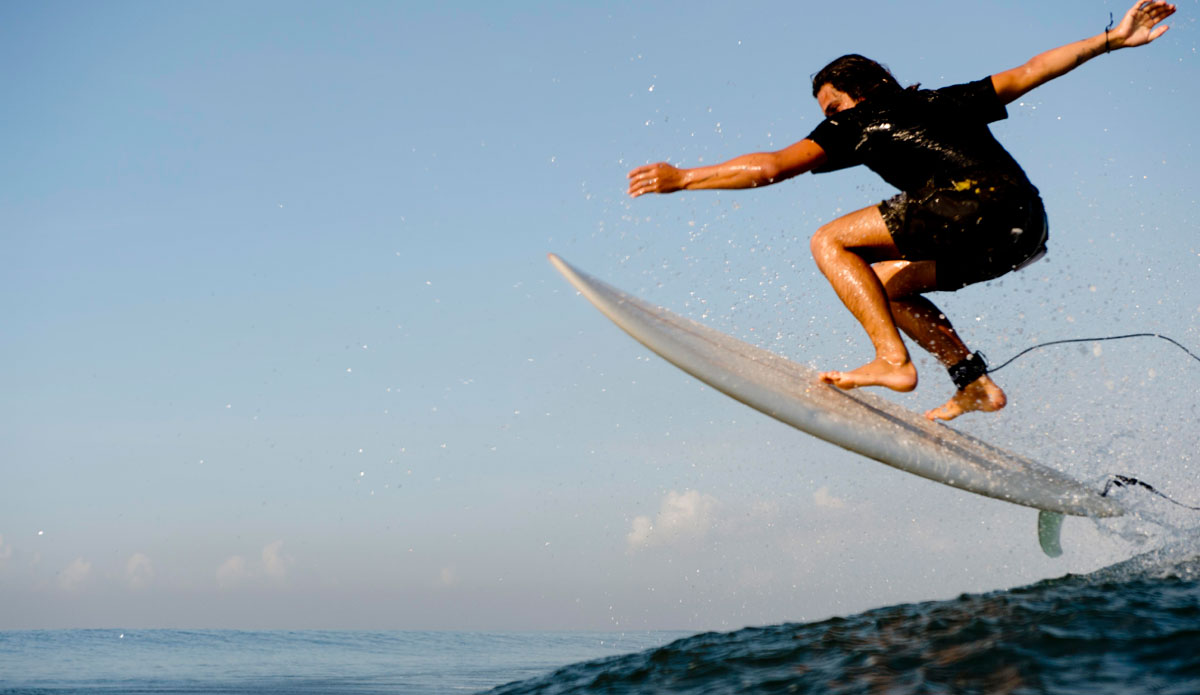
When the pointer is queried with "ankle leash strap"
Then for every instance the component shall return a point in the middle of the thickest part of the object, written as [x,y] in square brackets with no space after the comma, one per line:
[967,370]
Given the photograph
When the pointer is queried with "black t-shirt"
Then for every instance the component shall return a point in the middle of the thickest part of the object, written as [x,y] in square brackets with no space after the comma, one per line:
[917,138]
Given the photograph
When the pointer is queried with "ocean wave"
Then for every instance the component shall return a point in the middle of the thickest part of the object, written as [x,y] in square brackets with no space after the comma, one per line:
[1131,627]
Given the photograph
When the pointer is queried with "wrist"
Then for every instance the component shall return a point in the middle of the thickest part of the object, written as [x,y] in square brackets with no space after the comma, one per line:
[688,178]
[1112,39]
[1111,43]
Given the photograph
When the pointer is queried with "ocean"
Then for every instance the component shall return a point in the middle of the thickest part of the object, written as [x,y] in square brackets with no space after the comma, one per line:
[1130,628]
[332,662]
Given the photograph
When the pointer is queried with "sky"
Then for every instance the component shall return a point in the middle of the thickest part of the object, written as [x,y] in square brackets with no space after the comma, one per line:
[281,346]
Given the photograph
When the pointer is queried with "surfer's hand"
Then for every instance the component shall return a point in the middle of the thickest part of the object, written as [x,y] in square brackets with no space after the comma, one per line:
[655,178]
[1138,28]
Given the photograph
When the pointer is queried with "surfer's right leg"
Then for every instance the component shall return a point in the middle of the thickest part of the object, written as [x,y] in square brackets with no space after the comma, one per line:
[841,249]
[932,330]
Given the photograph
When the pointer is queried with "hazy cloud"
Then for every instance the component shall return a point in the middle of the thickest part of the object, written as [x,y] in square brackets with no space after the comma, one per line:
[232,571]
[639,535]
[275,563]
[74,575]
[6,551]
[682,516]
[823,498]
[139,571]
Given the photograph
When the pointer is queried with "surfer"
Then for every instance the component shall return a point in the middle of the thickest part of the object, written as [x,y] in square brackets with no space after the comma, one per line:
[966,212]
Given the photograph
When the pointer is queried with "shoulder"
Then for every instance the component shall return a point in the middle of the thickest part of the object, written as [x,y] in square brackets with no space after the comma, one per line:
[978,98]
[976,89]
[837,136]
[842,130]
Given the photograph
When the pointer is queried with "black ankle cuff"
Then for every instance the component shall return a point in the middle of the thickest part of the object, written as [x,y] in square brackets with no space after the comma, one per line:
[967,370]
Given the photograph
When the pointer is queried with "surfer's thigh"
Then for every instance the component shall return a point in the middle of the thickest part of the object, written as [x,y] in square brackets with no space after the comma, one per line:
[903,279]
[863,232]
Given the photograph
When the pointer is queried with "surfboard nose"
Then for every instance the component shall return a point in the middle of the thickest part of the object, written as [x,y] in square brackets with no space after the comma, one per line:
[561,265]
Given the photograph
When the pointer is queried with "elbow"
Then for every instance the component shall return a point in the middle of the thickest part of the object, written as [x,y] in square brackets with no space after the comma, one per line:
[768,174]
[773,169]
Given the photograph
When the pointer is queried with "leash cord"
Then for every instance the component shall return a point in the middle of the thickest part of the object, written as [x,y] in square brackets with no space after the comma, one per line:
[1126,481]
[1094,340]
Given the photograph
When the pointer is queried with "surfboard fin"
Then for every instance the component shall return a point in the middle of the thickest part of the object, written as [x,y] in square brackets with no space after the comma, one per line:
[1049,528]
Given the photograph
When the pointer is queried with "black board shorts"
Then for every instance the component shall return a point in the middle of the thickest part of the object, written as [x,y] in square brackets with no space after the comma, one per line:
[976,228]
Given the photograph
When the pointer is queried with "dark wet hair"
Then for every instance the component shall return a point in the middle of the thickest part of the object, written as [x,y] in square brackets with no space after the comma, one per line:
[856,75]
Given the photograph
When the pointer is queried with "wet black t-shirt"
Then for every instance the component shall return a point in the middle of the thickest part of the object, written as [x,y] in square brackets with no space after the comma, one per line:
[915,138]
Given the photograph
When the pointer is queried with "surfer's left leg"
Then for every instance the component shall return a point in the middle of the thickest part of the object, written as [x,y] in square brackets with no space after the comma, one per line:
[921,320]
[842,249]
[926,324]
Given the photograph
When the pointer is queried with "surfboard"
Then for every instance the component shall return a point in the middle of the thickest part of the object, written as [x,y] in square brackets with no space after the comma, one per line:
[858,420]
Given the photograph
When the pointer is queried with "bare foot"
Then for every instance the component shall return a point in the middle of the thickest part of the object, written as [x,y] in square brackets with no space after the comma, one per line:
[982,394]
[881,372]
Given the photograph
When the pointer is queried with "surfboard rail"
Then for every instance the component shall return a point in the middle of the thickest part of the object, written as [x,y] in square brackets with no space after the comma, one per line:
[858,420]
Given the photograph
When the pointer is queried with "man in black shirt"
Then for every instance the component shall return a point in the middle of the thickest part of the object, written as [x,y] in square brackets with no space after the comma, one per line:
[966,212]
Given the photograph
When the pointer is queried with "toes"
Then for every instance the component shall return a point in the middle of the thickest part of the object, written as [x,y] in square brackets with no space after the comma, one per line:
[947,412]
[838,379]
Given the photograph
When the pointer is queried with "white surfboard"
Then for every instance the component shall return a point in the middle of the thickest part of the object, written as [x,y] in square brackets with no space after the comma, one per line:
[858,420]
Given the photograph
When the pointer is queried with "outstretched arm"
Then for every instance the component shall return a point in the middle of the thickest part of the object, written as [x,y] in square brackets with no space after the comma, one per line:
[747,171]
[1137,28]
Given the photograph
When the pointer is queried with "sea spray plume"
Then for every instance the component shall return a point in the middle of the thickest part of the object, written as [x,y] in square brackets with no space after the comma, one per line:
[1156,522]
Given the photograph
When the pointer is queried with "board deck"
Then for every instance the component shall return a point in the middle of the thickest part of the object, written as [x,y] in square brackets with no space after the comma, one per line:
[858,420]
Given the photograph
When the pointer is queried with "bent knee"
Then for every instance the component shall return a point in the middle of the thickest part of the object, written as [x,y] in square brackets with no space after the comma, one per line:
[825,240]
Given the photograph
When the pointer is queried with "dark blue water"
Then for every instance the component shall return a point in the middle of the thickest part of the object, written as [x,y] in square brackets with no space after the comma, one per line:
[1130,628]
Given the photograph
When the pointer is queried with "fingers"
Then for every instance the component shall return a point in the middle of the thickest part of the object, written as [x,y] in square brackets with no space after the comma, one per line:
[1151,13]
[649,178]
[1158,11]
[643,169]
[1139,26]
[641,181]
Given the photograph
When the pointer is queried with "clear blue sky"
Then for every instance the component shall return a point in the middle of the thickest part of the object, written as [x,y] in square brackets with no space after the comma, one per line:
[282,349]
